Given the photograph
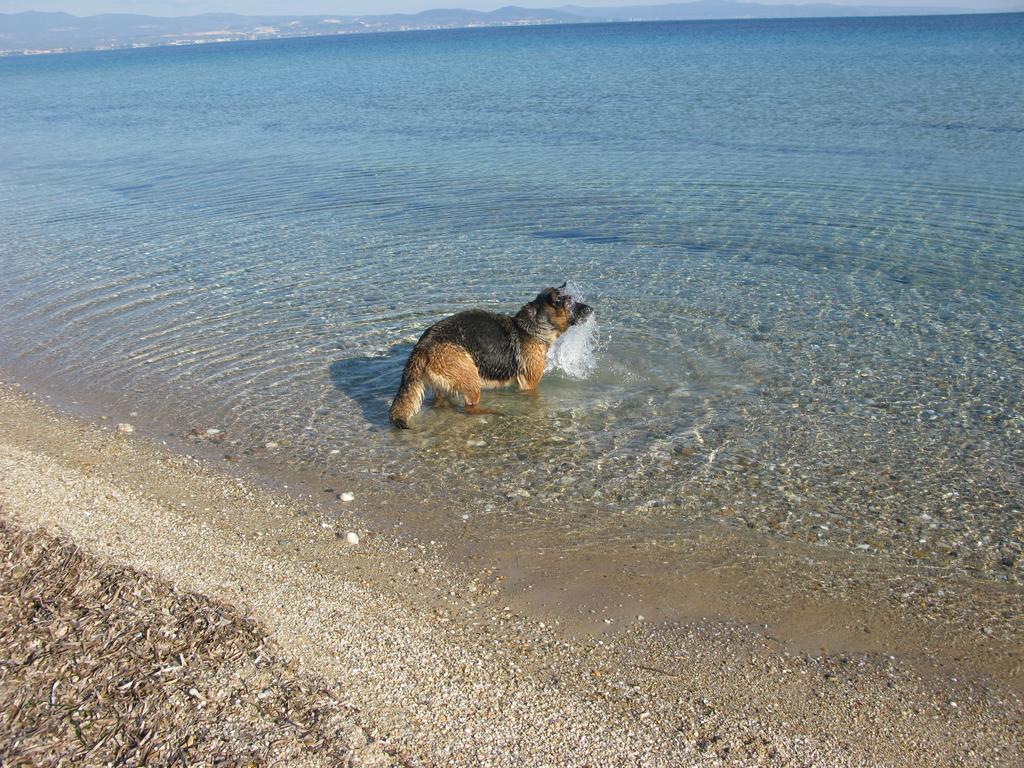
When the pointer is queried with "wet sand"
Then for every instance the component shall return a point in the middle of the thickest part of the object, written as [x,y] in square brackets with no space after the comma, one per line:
[746,655]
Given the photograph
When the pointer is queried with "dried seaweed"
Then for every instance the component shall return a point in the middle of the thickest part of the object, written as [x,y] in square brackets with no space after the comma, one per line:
[103,665]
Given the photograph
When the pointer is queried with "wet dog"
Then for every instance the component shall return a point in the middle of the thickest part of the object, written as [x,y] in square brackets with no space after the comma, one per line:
[477,349]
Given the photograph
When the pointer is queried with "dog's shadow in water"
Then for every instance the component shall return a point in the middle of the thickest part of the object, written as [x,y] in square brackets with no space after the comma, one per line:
[371,382]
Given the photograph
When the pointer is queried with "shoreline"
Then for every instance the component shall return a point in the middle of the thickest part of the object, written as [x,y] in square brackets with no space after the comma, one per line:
[808,597]
[450,667]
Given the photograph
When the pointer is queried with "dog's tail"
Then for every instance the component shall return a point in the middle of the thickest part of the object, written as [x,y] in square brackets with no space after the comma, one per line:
[410,393]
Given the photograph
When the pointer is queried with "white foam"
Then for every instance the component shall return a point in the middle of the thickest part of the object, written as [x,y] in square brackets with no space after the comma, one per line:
[575,352]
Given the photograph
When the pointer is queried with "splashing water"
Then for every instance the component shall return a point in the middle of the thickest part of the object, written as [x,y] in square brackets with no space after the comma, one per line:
[575,352]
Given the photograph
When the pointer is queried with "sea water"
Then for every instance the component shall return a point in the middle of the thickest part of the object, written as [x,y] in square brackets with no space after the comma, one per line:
[802,239]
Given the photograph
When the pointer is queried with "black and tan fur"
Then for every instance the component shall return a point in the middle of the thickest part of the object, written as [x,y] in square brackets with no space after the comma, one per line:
[478,349]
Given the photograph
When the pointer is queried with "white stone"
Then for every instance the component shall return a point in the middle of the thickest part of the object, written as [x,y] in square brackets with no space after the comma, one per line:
[125,429]
[352,537]
[346,496]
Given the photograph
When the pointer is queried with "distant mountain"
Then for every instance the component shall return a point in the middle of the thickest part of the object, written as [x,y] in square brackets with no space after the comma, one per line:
[727,9]
[36,32]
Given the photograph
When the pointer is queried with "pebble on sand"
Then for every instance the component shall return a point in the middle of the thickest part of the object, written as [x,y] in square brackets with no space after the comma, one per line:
[347,496]
[125,429]
[352,537]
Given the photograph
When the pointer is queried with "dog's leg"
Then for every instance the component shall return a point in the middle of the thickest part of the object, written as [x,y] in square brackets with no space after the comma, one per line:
[470,387]
[467,381]
[453,369]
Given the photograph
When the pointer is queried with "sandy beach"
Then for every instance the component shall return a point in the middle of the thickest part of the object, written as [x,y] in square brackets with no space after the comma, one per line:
[381,652]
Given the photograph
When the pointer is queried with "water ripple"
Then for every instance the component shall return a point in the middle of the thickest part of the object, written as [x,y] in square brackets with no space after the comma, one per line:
[808,292]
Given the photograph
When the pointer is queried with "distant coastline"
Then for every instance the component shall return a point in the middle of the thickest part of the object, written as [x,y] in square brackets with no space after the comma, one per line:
[36,33]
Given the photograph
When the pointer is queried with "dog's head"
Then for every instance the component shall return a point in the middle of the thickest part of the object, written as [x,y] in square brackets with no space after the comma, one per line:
[550,314]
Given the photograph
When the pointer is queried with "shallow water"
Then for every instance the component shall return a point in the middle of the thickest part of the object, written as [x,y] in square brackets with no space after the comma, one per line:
[803,241]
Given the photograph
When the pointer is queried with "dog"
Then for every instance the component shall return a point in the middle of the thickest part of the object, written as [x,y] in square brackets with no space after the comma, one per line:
[478,349]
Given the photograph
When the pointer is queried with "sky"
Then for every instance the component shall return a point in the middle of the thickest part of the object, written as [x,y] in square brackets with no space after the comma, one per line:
[352,7]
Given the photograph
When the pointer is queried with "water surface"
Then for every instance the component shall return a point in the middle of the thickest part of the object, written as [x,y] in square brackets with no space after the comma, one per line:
[804,241]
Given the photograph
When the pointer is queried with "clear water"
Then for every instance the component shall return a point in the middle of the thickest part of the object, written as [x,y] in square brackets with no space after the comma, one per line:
[804,241]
